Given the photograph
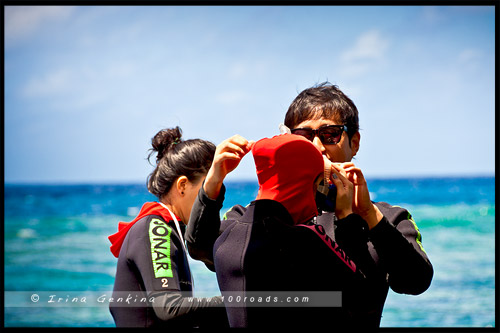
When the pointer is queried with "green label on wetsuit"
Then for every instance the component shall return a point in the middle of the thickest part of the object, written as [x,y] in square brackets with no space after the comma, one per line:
[159,236]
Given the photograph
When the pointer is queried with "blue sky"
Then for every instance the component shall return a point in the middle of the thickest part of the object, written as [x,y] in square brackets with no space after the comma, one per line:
[86,88]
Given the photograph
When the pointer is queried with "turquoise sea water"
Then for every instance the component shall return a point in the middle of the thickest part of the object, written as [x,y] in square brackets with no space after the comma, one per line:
[56,247]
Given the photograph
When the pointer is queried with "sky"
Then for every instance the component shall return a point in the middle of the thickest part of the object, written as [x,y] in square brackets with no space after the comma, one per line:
[87,87]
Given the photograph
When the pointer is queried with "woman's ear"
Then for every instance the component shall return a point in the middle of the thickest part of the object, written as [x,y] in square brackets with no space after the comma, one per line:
[181,184]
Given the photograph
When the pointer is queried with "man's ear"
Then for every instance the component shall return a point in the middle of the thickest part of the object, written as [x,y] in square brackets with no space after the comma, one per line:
[354,143]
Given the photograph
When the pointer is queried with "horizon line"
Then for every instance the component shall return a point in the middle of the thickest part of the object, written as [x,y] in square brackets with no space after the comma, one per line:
[238,180]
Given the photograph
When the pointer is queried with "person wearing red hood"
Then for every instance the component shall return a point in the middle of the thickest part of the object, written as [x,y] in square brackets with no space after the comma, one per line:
[153,284]
[329,119]
[273,245]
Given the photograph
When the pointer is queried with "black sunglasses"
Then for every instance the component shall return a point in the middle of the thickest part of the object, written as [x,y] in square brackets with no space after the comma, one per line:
[329,135]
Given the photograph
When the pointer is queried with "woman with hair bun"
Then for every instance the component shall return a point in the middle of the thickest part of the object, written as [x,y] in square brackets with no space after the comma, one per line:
[153,284]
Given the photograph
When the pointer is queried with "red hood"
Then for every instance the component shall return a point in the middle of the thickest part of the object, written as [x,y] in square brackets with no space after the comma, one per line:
[287,166]
[149,208]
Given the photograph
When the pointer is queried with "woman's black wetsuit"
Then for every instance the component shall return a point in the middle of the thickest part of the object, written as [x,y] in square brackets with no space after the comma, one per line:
[153,283]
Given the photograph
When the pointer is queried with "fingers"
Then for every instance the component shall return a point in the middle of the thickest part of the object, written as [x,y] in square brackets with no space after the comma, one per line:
[223,156]
[250,145]
[234,148]
[241,142]
[346,164]
[237,144]
[339,178]
[353,173]
[340,174]
[228,155]
[343,167]
[344,197]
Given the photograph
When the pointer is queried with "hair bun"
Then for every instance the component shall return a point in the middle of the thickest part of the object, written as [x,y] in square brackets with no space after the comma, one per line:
[165,140]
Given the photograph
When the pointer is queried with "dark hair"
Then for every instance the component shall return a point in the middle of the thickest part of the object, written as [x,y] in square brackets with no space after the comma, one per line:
[175,158]
[324,100]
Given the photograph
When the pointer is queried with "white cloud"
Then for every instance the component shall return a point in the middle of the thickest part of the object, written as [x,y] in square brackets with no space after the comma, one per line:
[53,83]
[66,89]
[469,55]
[22,21]
[244,69]
[121,70]
[81,78]
[470,59]
[232,97]
[370,45]
[238,71]
[368,52]
[432,15]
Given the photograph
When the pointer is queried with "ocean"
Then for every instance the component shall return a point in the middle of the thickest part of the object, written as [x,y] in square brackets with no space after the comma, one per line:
[59,272]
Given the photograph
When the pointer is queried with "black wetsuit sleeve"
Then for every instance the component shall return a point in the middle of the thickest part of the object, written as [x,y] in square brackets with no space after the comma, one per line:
[202,311]
[399,245]
[156,253]
[204,227]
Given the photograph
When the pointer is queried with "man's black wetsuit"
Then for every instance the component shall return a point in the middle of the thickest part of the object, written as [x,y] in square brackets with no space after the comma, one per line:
[153,267]
[397,258]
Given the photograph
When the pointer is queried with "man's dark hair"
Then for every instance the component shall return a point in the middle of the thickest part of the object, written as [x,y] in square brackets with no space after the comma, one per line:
[324,100]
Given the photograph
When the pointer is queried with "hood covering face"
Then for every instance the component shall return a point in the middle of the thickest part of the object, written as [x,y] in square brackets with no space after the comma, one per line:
[287,166]
[149,208]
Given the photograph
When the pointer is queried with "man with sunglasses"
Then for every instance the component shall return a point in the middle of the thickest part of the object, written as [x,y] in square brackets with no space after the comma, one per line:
[326,116]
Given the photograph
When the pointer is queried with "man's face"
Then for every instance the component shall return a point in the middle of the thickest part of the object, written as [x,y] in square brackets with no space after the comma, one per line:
[340,152]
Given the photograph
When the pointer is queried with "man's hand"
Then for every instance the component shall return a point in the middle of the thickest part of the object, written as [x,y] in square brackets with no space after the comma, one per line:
[362,204]
[344,199]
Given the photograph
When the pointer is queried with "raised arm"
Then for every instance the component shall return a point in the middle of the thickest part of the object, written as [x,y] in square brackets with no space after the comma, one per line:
[204,223]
